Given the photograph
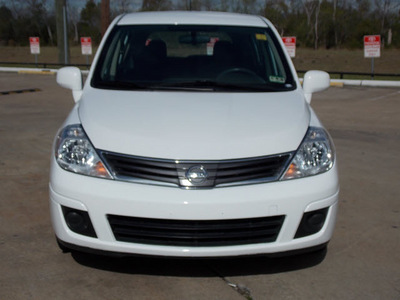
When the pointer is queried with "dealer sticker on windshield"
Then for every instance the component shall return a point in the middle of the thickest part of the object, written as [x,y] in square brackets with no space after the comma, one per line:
[277,79]
[261,37]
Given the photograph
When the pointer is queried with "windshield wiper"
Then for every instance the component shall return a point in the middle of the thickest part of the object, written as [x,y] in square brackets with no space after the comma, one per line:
[215,86]
[199,85]
[125,85]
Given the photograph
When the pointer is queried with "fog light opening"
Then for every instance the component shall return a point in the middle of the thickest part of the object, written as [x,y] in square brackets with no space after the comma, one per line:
[311,223]
[78,221]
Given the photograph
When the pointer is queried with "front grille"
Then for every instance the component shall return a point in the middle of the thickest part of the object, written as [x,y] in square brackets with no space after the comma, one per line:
[139,167]
[196,233]
[219,173]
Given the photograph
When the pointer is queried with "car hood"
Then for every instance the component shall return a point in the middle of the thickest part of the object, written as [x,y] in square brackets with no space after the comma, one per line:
[194,125]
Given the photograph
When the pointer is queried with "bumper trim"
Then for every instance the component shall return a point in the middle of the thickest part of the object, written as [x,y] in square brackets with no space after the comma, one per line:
[67,247]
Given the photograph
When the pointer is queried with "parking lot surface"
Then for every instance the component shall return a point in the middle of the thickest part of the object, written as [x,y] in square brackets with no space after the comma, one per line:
[362,261]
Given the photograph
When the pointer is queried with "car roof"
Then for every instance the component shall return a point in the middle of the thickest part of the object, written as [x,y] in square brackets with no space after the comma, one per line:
[192,18]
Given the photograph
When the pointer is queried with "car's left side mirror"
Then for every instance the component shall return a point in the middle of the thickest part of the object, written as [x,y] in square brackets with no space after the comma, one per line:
[71,78]
[315,81]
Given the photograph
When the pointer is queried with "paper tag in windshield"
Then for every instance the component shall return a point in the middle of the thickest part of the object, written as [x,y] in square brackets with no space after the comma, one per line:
[277,79]
[261,37]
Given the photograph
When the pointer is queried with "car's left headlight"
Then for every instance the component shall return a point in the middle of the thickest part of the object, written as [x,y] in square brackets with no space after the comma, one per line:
[315,155]
[74,152]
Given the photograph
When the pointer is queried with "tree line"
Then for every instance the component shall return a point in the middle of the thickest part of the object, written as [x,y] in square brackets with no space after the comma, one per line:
[315,23]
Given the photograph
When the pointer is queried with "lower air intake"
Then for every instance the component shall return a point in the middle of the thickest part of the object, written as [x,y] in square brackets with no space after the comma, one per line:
[196,233]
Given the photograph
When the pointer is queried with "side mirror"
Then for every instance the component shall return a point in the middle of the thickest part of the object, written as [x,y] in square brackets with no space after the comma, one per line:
[315,81]
[71,78]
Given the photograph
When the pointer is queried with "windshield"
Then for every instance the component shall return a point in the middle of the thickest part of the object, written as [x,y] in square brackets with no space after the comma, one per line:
[201,58]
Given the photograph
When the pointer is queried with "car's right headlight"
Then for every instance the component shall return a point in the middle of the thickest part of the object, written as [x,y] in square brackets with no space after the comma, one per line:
[315,155]
[74,152]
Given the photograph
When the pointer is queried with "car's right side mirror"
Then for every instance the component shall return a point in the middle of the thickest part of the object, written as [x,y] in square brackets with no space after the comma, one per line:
[315,81]
[71,78]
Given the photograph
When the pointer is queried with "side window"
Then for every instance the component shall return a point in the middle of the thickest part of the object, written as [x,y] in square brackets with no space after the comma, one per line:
[116,56]
[278,69]
[269,56]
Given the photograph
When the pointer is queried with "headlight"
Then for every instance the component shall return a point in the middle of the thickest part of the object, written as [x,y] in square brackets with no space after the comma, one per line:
[75,153]
[315,155]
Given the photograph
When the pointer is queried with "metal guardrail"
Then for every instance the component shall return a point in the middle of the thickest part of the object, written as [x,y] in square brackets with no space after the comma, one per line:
[341,74]
[44,65]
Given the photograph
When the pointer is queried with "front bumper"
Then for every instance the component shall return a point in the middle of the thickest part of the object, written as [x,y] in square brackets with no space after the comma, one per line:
[101,198]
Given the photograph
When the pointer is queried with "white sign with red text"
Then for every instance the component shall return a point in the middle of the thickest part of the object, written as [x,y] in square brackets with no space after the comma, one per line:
[372,46]
[290,44]
[86,44]
[210,45]
[35,44]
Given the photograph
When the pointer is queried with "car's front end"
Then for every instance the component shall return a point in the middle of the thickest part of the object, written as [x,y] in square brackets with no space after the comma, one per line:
[177,162]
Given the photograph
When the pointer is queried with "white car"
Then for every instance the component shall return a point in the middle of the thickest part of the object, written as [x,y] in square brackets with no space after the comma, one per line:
[192,137]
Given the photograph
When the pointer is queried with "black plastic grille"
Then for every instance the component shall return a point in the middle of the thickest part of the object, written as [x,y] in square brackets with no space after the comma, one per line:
[135,167]
[196,233]
[225,172]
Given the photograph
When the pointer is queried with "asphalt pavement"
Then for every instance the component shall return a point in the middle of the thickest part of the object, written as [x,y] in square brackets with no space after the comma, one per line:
[362,260]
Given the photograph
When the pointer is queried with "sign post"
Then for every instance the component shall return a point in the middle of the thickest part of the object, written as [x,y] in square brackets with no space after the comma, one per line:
[290,44]
[35,47]
[86,44]
[372,49]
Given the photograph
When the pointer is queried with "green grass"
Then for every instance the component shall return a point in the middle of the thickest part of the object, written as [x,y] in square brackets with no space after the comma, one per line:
[47,55]
[359,77]
[362,77]
[342,60]
[347,61]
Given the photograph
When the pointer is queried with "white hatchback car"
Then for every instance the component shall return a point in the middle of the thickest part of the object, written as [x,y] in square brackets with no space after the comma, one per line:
[192,137]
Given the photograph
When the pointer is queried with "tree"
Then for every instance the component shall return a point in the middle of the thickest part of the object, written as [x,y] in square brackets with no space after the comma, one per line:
[6,25]
[74,17]
[90,21]
[121,7]
[277,11]
[156,5]
[245,6]
[30,18]
[105,16]
[316,23]
[385,9]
